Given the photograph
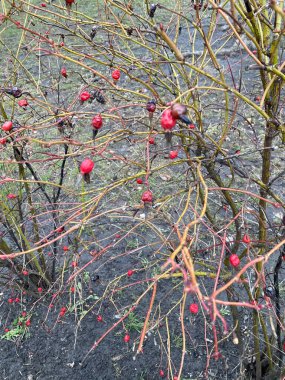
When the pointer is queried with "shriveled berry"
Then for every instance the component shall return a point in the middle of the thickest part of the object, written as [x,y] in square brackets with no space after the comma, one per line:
[173,154]
[147,196]
[151,141]
[86,166]
[7,126]
[167,121]
[84,96]
[151,106]
[97,122]
[194,308]
[234,260]
[74,264]
[177,110]
[127,338]
[116,74]
[139,181]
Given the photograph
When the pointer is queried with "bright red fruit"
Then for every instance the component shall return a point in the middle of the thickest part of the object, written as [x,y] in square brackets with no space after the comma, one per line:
[130,273]
[167,121]
[161,373]
[43,5]
[28,323]
[3,141]
[63,72]
[63,309]
[139,181]
[194,308]
[84,96]
[10,300]
[11,196]
[116,74]
[17,300]
[173,154]
[59,230]
[74,264]
[72,289]
[99,318]
[151,141]
[147,196]
[6,330]
[65,248]
[127,338]
[25,273]
[40,290]
[234,260]
[86,166]
[97,122]
[246,239]
[24,314]
[23,103]
[191,126]
[7,126]
[175,378]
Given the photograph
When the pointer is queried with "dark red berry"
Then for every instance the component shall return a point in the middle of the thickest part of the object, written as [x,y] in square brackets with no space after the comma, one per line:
[139,181]
[173,154]
[63,72]
[3,141]
[130,272]
[151,141]
[151,106]
[23,103]
[97,122]
[28,323]
[84,96]
[127,338]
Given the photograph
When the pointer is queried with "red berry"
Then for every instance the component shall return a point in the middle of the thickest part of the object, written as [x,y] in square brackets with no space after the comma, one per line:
[11,196]
[151,141]
[17,300]
[191,126]
[117,236]
[139,181]
[63,309]
[175,378]
[116,74]
[97,122]
[147,196]
[194,308]
[257,98]
[130,272]
[127,338]
[72,289]
[43,5]
[24,314]
[234,260]
[65,248]
[59,230]
[3,141]
[167,121]
[99,318]
[25,273]
[84,96]
[6,330]
[284,346]
[63,72]
[173,154]
[86,166]
[151,106]
[161,373]
[61,44]
[28,323]
[40,290]
[23,103]
[7,126]
[74,264]
[10,300]
[246,239]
